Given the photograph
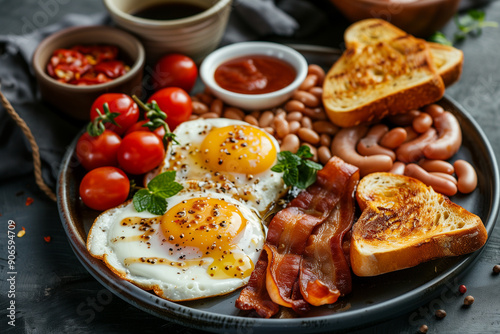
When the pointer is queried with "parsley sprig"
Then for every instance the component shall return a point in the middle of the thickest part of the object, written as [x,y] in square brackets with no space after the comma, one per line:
[471,23]
[158,189]
[297,170]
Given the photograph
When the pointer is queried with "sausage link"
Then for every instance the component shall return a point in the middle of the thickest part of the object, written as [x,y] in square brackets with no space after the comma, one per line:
[404,119]
[439,184]
[325,127]
[449,140]
[324,154]
[344,146]
[266,118]
[413,151]
[410,133]
[368,145]
[199,108]
[308,135]
[440,166]
[466,176]
[434,110]
[290,143]
[309,82]
[307,98]
[422,122]
[446,176]
[398,167]
[393,138]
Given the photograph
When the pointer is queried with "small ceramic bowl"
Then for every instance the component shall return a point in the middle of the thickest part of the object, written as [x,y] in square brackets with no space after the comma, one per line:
[77,100]
[253,101]
[195,36]
[420,18]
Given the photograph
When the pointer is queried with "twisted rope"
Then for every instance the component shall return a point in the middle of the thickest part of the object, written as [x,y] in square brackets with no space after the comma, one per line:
[34,147]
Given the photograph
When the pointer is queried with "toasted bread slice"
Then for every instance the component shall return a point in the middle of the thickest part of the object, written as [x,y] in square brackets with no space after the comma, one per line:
[404,223]
[370,82]
[447,59]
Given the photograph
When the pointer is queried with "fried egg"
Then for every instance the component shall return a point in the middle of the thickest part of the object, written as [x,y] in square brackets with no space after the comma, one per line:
[227,156]
[206,244]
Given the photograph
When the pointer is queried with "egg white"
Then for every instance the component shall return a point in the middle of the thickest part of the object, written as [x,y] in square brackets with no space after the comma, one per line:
[259,191]
[105,241]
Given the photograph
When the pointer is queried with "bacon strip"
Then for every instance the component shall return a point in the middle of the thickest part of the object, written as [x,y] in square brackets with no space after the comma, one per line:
[294,274]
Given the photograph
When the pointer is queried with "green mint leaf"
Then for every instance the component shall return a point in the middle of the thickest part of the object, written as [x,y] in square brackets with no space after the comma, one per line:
[154,197]
[291,176]
[157,204]
[439,37]
[297,170]
[304,152]
[278,168]
[141,200]
[313,165]
[307,176]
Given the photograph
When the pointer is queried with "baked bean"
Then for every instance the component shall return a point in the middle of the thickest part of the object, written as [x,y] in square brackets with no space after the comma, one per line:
[466,176]
[256,113]
[440,166]
[251,120]
[344,146]
[309,82]
[439,184]
[410,133]
[210,115]
[294,126]
[205,98]
[413,151]
[449,138]
[294,116]
[199,108]
[280,113]
[266,118]
[290,143]
[316,69]
[393,138]
[306,122]
[281,127]
[434,110]
[314,152]
[404,119]
[308,135]
[324,154]
[448,177]
[294,105]
[307,98]
[317,114]
[316,91]
[269,130]
[325,127]
[234,113]
[325,140]
[422,122]
[398,167]
[193,117]
[217,106]
[368,145]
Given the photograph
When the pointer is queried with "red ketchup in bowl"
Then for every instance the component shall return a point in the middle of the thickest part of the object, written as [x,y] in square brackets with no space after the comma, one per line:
[256,74]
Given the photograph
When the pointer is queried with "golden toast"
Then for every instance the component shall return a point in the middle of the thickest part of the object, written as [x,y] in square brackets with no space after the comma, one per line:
[447,59]
[371,81]
[404,223]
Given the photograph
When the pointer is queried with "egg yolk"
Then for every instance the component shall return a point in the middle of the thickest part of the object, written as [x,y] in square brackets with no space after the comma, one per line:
[212,226]
[238,149]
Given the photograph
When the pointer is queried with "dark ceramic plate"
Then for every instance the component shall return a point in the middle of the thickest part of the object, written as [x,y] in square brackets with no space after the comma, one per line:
[372,299]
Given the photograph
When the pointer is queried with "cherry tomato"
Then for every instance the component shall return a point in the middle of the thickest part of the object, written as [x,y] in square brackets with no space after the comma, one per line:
[140,152]
[176,103]
[93,152]
[104,188]
[119,103]
[175,70]
[159,131]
